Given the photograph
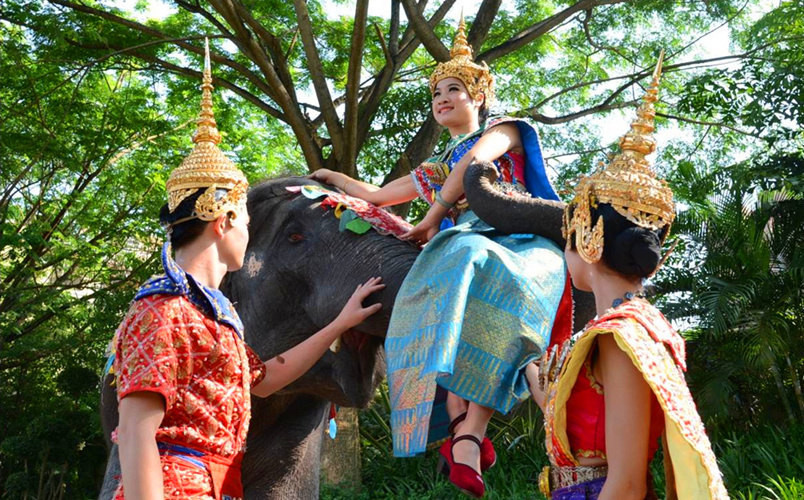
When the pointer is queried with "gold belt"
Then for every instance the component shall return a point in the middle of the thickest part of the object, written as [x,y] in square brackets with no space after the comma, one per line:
[552,478]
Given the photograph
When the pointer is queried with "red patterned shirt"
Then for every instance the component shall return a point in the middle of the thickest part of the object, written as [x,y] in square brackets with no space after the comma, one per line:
[205,372]
[201,367]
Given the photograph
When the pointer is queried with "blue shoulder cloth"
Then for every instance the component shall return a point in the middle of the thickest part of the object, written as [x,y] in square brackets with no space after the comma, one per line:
[536,180]
[176,281]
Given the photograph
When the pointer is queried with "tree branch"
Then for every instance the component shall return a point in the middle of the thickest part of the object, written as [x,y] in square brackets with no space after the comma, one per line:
[389,58]
[173,68]
[534,31]
[196,8]
[727,22]
[393,31]
[144,29]
[409,41]
[586,20]
[427,36]
[181,42]
[635,77]
[373,96]
[281,95]
[352,87]
[575,153]
[319,79]
[709,123]
[554,120]
[482,23]
[273,46]
[245,94]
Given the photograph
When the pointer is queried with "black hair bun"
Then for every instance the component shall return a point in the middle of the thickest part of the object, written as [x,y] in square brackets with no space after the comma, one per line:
[635,251]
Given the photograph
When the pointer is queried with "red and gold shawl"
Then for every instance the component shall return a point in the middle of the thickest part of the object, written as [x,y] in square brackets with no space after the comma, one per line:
[657,351]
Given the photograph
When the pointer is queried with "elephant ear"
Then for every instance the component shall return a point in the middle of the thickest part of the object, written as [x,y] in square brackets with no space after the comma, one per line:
[511,214]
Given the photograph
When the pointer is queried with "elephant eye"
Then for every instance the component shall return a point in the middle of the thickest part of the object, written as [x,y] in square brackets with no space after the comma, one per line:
[295,237]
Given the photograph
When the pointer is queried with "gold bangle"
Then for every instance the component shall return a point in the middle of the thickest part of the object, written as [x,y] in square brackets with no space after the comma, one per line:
[346,183]
[444,203]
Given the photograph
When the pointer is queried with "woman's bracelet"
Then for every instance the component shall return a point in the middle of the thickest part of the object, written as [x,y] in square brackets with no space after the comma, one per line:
[444,203]
[346,183]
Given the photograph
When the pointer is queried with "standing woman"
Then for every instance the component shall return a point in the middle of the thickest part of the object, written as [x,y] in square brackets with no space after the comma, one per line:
[477,306]
[611,391]
[184,373]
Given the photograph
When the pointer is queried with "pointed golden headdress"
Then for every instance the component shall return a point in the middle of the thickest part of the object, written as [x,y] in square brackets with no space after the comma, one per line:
[476,77]
[628,184]
[206,167]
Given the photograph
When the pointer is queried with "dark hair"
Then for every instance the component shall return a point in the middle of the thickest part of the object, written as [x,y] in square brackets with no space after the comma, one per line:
[628,248]
[483,113]
[185,232]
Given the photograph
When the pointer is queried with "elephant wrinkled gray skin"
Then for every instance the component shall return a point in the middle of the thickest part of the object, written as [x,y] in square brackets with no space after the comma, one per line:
[522,214]
[298,273]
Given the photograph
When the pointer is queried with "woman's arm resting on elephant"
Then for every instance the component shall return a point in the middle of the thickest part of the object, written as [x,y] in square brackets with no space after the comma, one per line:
[141,413]
[493,144]
[342,181]
[627,399]
[293,363]
[395,192]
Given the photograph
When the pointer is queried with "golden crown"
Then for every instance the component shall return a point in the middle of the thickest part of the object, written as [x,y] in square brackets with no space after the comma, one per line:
[628,184]
[206,167]
[476,77]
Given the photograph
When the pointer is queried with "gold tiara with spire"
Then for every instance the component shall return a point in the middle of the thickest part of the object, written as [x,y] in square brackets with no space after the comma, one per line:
[476,77]
[628,184]
[206,167]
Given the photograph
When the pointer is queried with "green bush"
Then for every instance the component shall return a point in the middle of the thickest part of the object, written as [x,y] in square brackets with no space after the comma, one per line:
[766,462]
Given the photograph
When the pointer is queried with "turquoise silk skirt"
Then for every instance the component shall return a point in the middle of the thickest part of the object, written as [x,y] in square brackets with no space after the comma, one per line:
[476,307]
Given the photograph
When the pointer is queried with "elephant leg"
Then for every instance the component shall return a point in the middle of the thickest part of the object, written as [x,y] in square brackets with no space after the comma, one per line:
[283,458]
[110,477]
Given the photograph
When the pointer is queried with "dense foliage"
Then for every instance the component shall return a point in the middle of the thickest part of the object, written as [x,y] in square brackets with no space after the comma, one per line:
[97,106]
[759,462]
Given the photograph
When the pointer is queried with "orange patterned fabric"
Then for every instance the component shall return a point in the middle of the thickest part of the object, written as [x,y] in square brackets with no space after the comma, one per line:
[204,371]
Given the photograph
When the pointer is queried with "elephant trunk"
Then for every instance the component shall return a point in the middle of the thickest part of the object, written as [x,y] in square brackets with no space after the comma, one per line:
[511,214]
[518,214]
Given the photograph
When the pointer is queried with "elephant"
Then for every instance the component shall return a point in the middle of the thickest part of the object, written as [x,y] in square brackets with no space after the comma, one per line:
[299,271]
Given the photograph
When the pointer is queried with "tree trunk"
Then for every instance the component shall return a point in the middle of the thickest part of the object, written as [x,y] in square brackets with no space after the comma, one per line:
[780,387]
[340,457]
[796,385]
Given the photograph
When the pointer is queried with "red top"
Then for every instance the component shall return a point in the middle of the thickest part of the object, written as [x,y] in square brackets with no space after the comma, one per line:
[586,417]
[429,177]
[511,166]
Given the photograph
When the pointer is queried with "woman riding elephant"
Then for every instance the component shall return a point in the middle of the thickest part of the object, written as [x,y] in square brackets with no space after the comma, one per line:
[612,390]
[477,306]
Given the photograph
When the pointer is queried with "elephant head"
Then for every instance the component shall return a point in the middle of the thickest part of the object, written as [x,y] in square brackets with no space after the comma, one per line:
[521,214]
[299,271]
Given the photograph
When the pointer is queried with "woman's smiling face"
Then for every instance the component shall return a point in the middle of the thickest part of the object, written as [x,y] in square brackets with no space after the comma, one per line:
[453,107]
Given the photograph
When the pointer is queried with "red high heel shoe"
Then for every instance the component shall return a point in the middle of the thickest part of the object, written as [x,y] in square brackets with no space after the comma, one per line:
[488,457]
[464,477]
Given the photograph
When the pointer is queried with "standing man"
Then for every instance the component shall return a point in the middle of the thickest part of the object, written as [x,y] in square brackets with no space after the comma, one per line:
[184,373]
